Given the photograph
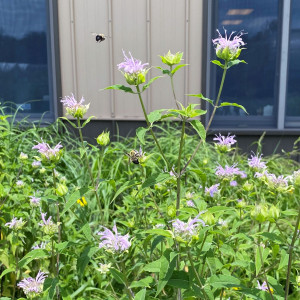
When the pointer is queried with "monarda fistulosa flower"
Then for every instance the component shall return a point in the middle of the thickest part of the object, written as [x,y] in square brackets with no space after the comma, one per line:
[74,108]
[227,48]
[255,163]
[49,154]
[49,227]
[224,143]
[113,241]
[229,172]
[133,70]
[15,224]
[33,287]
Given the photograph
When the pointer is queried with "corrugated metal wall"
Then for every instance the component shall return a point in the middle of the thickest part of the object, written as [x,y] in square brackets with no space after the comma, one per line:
[147,28]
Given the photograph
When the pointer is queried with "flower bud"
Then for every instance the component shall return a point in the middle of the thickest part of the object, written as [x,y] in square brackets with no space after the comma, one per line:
[247,186]
[240,203]
[171,211]
[23,156]
[273,214]
[259,213]
[42,170]
[135,78]
[61,190]
[172,59]
[103,139]
[208,218]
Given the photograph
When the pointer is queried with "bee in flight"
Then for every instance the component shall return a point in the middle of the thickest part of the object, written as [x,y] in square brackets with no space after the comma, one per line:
[135,155]
[100,37]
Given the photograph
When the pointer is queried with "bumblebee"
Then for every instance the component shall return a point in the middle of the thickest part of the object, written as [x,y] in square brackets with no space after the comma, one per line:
[100,37]
[134,156]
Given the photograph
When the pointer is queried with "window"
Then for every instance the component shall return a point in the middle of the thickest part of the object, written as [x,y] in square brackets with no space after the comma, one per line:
[293,82]
[253,85]
[25,58]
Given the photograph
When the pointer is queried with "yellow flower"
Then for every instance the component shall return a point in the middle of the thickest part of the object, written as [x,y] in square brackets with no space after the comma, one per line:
[82,201]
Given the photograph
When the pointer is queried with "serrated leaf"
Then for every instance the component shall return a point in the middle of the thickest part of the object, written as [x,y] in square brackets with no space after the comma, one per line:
[86,229]
[153,267]
[272,236]
[84,258]
[155,115]
[218,63]
[233,104]
[155,178]
[235,62]
[88,120]
[140,132]
[69,121]
[219,281]
[150,82]
[177,68]
[118,276]
[141,295]
[34,254]
[197,125]
[180,280]
[73,199]
[50,286]
[202,97]
[144,282]
[61,246]
[120,87]
[284,258]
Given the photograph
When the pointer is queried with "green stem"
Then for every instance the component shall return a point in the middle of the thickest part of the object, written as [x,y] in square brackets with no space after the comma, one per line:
[128,289]
[173,90]
[17,261]
[211,117]
[149,126]
[196,273]
[89,168]
[262,263]
[287,284]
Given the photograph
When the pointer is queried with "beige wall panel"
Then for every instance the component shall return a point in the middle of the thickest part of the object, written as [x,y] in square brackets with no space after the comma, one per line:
[167,33]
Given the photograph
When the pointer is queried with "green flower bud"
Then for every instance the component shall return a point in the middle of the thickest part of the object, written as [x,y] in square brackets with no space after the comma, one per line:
[103,139]
[208,218]
[259,213]
[298,280]
[136,78]
[171,211]
[42,170]
[23,156]
[273,214]
[172,59]
[240,203]
[61,190]
[248,186]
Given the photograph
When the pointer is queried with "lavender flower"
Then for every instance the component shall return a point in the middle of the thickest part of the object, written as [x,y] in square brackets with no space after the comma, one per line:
[36,163]
[256,163]
[186,230]
[224,142]
[114,242]
[74,108]
[23,156]
[212,190]
[233,183]
[41,246]
[15,224]
[229,172]
[34,201]
[226,48]
[190,203]
[134,70]
[20,183]
[264,287]
[48,153]
[48,225]
[33,287]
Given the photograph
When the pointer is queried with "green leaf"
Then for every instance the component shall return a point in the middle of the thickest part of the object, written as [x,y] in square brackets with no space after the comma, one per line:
[156,178]
[73,199]
[218,63]
[69,121]
[118,276]
[177,68]
[61,246]
[180,280]
[158,231]
[202,97]
[34,254]
[283,259]
[150,82]
[50,285]
[233,104]
[219,281]
[6,271]
[145,282]
[124,187]
[168,264]
[155,115]
[84,258]
[272,236]
[140,132]
[88,120]
[86,229]
[235,62]
[141,295]
[220,208]
[197,125]
[120,87]
[153,267]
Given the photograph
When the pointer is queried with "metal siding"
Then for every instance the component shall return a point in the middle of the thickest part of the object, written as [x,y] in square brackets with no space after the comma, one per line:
[147,29]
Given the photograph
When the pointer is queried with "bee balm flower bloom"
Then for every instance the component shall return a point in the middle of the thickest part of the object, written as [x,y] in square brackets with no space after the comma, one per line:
[114,242]
[74,108]
[15,224]
[229,172]
[212,190]
[33,287]
[255,163]
[224,142]
[48,153]
[134,70]
[226,48]
[48,226]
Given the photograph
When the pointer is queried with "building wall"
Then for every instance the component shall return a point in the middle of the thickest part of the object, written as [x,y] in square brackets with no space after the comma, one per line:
[147,28]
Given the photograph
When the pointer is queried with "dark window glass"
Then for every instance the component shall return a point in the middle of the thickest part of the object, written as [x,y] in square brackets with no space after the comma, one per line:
[293,86]
[23,57]
[253,85]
